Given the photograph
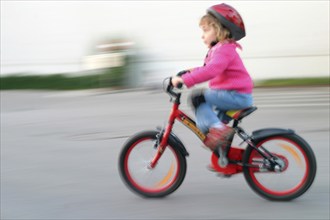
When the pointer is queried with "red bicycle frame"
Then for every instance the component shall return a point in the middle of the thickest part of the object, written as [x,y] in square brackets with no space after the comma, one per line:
[176,114]
[234,154]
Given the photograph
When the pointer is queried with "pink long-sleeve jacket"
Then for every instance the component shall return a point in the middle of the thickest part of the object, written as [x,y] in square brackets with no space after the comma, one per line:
[224,68]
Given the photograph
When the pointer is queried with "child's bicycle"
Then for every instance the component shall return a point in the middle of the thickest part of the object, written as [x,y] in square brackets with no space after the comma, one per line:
[277,163]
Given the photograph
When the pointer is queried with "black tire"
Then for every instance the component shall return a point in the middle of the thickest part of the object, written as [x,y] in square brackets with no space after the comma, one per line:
[290,183]
[137,152]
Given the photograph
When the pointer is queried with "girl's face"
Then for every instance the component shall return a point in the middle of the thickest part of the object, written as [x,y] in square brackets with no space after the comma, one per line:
[209,35]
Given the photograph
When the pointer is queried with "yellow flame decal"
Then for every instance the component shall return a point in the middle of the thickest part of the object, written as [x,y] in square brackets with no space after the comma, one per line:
[193,128]
[293,153]
[231,113]
[167,177]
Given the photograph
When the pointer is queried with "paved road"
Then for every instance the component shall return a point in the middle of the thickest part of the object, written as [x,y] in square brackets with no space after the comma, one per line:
[59,155]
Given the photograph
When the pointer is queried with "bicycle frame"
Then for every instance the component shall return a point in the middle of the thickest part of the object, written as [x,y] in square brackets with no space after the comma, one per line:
[150,171]
[176,114]
[234,154]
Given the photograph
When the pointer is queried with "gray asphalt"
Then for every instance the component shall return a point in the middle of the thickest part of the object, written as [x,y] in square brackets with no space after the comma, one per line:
[59,156]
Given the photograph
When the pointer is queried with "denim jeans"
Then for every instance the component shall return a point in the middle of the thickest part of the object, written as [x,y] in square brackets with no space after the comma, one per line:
[222,100]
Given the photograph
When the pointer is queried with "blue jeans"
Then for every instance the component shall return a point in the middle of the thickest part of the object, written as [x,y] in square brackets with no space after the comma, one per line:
[222,100]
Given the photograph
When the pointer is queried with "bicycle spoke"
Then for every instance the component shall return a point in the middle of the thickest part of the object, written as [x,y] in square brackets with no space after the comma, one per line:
[282,176]
[158,180]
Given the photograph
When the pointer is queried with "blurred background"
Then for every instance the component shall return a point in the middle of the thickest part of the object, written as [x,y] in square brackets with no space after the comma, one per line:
[138,43]
[59,149]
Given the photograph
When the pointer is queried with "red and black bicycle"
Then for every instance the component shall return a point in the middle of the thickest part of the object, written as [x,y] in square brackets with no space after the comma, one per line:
[277,163]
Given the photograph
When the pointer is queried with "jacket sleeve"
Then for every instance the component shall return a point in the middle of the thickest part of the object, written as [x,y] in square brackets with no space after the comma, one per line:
[217,64]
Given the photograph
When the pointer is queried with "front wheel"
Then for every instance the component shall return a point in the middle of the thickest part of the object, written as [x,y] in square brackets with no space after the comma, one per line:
[135,170]
[294,173]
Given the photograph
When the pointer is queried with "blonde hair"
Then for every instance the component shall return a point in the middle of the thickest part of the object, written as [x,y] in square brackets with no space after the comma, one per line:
[223,33]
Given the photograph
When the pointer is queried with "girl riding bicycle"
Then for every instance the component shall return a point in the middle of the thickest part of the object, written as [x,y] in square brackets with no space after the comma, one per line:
[277,163]
[230,85]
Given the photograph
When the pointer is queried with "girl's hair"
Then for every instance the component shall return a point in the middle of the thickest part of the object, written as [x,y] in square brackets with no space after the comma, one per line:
[222,32]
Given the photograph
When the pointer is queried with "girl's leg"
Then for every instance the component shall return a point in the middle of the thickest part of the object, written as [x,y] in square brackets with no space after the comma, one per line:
[208,121]
[223,100]
[206,117]
[228,100]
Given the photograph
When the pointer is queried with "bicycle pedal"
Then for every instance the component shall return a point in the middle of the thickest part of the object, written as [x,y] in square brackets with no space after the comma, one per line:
[223,162]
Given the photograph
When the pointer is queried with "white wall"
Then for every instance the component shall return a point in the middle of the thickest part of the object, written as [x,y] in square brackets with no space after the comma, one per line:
[284,38]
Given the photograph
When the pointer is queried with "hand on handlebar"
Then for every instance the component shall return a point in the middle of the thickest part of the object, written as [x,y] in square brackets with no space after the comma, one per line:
[177,81]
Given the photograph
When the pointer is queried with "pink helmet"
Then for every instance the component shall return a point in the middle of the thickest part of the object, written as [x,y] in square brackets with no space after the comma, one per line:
[229,18]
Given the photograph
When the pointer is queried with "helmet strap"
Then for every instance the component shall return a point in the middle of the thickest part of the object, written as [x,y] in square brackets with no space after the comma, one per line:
[213,43]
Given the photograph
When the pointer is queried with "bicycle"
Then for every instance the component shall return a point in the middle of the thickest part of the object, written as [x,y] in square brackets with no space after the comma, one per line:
[277,163]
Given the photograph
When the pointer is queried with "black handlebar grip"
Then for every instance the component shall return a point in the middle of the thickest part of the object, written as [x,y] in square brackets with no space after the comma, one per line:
[182,73]
[179,86]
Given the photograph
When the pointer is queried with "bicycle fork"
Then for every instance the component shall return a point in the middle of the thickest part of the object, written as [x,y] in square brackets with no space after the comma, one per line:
[163,136]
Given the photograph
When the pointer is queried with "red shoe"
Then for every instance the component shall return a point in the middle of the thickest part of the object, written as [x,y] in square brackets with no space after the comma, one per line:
[219,137]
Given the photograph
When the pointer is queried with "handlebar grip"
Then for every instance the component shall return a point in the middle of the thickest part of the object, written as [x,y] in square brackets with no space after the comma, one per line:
[182,73]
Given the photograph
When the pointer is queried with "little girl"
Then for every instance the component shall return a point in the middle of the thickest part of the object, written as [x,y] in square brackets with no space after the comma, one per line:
[230,85]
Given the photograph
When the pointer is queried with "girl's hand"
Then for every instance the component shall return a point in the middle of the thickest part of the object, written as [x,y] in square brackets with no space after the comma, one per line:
[176,81]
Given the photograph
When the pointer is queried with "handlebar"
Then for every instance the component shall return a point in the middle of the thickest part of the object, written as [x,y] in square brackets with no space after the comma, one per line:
[170,88]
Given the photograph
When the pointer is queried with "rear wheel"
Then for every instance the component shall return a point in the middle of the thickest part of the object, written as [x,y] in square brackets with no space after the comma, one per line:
[135,171]
[292,177]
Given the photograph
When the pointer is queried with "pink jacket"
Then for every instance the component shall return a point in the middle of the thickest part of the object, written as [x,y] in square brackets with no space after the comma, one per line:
[224,68]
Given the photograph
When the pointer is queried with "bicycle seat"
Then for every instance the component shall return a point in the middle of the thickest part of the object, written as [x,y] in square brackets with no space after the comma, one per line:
[240,114]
